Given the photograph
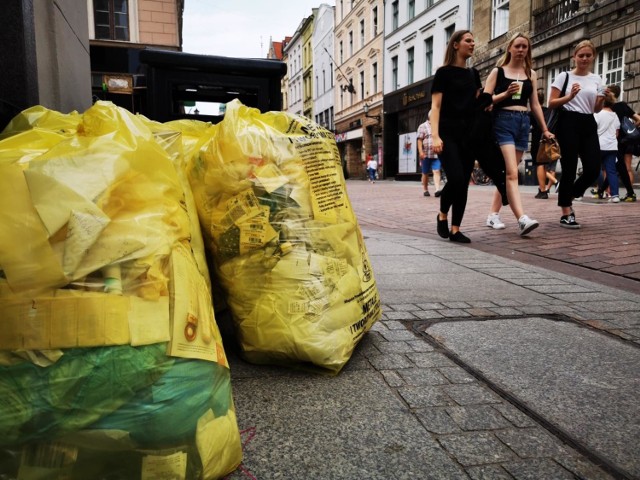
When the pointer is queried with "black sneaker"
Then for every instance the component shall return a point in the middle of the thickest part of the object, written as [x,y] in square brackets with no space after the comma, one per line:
[459,237]
[438,193]
[541,194]
[569,221]
[629,198]
[427,194]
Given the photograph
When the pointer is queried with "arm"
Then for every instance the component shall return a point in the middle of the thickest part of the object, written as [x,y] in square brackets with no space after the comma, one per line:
[420,141]
[434,118]
[536,108]
[636,119]
[490,86]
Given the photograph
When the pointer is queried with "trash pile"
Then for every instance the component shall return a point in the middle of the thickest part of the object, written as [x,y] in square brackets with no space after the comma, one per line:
[111,360]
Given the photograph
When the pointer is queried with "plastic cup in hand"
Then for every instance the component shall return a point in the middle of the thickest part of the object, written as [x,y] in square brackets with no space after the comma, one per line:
[518,94]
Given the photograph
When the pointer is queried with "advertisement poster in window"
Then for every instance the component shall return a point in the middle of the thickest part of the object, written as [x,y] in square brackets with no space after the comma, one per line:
[407,153]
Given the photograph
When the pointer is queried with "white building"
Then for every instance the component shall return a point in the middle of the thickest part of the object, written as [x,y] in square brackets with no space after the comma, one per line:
[323,78]
[416,33]
[293,54]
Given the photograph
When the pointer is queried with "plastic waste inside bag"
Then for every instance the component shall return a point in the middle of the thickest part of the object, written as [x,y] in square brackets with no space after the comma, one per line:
[285,241]
[111,362]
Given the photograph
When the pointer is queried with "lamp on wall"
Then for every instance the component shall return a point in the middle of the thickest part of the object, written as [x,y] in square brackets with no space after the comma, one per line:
[630,74]
[366,113]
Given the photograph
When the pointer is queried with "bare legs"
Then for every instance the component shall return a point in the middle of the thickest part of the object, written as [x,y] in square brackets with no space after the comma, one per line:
[512,158]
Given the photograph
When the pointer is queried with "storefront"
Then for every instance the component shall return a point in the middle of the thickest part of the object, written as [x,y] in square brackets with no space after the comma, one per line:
[404,111]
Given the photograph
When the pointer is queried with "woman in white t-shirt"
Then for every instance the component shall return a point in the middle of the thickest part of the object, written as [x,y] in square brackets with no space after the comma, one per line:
[576,131]
[608,127]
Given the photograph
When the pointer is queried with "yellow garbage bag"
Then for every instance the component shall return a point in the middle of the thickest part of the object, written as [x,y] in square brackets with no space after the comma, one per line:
[110,357]
[286,244]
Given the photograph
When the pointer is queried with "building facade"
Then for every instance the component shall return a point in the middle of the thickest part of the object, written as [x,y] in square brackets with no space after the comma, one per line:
[416,34]
[292,53]
[118,31]
[323,79]
[44,53]
[358,85]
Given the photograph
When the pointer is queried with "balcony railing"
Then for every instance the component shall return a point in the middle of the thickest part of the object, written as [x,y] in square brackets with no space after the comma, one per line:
[547,14]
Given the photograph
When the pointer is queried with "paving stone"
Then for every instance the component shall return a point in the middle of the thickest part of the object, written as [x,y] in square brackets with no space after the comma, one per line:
[395,347]
[420,345]
[482,304]
[454,313]
[402,315]
[429,306]
[480,312]
[425,396]
[471,394]
[515,416]
[505,311]
[436,420]
[480,417]
[537,469]
[477,449]
[583,468]
[456,305]
[403,307]
[389,361]
[488,472]
[457,374]
[392,378]
[422,376]
[395,325]
[430,359]
[397,335]
[531,442]
[427,314]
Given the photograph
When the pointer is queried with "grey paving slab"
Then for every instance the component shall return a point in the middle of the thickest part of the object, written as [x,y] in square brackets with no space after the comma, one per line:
[349,426]
[585,382]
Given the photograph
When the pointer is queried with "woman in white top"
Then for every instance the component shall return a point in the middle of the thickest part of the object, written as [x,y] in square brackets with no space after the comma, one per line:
[608,127]
[576,131]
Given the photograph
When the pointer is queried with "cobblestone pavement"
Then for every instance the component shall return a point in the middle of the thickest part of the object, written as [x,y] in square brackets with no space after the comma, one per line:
[605,250]
[406,406]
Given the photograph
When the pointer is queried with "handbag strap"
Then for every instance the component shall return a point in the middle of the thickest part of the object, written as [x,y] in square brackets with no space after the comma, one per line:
[564,86]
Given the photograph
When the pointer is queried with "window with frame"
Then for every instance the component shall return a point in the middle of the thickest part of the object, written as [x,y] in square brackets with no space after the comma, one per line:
[350,43]
[448,32]
[428,57]
[362,33]
[552,73]
[331,75]
[410,59]
[500,17]
[111,19]
[394,15]
[375,21]
[411,9]
[429,3]
[341,53]
[374,77]
[361,85]
[394,72]
[610,66]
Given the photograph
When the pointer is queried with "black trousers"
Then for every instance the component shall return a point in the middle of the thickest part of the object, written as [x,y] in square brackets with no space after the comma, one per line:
[457,160]
[577,135]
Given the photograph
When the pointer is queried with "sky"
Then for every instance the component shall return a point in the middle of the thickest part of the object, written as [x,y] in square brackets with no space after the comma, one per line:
[241,28]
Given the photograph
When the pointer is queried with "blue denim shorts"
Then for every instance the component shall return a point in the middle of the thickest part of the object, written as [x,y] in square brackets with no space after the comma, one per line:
[430,164]
[512,128]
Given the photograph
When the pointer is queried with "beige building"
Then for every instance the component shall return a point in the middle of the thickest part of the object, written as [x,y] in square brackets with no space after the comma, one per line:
[358,50]
[118,31]
[555,27]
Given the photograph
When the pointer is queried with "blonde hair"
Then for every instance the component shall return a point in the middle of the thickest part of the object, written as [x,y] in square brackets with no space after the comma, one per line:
[450,52]
[506,57]
[585,44]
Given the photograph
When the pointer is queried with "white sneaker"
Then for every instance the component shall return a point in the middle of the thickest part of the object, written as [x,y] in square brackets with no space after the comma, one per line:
[615,199]
[526,225]
[493,221]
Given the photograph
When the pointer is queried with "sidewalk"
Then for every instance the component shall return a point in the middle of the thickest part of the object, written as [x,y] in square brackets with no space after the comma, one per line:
[483,367]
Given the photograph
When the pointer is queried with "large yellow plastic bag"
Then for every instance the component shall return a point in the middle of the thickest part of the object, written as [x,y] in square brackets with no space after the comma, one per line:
[285,241]
[111,362]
